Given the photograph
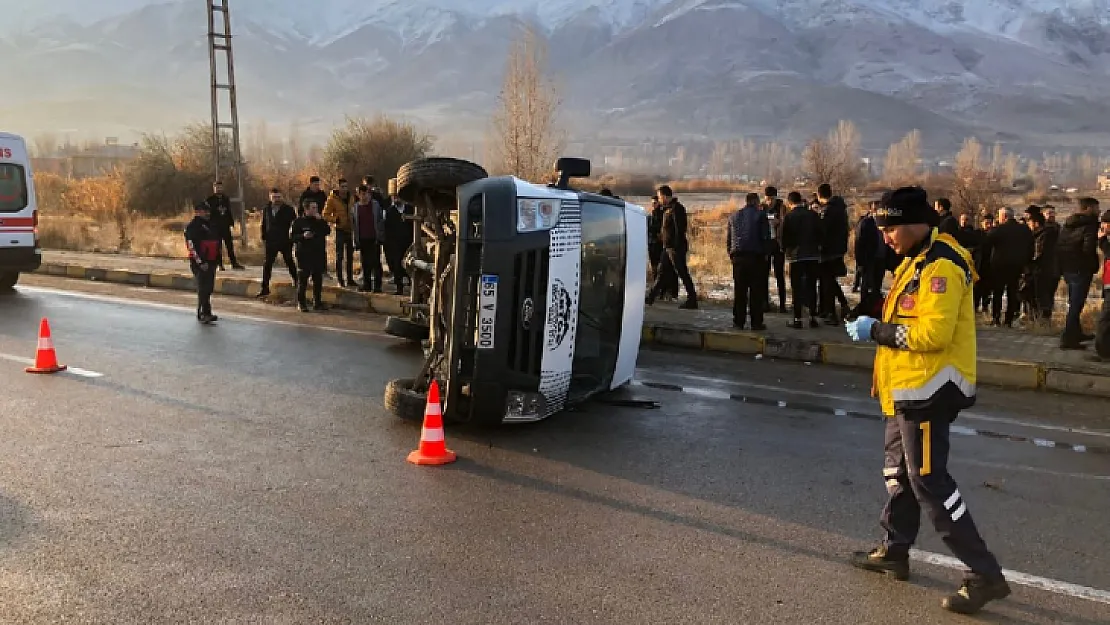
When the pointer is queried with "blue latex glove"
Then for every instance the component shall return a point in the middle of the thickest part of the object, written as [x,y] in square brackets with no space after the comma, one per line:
[860,329]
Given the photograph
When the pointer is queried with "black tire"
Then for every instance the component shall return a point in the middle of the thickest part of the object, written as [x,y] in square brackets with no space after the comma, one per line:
[438,175]
[8,280]
[403,402]
[405,329]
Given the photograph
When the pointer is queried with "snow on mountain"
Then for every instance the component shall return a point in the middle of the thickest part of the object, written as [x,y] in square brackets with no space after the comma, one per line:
[1005,69]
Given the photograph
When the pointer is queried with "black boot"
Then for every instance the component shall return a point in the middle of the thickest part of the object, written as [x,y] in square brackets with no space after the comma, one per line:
[975,593]
[879,561]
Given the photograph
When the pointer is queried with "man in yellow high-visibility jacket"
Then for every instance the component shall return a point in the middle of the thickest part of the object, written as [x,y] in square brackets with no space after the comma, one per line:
[924,376]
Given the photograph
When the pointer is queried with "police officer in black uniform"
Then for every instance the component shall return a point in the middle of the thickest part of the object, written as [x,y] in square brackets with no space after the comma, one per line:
[310,235]
[202,239]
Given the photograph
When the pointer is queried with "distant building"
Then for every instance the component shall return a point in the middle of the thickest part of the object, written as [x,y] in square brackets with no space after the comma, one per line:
[1104,181]
[88,161]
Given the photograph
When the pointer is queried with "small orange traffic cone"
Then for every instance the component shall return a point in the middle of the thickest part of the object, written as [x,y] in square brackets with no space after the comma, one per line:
[46,361]
[433,447]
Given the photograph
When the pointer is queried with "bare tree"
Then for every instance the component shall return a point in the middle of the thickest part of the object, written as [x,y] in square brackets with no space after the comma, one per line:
[900,166]
[44,144]
[835,159]
[1011,168]
[718,160]
[974,189]
[526,139]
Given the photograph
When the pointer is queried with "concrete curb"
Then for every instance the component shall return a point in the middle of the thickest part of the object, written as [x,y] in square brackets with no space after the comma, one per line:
[344,299]
[1007,374]
[992,372]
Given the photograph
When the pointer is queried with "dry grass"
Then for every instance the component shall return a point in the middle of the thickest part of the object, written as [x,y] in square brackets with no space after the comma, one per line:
[144,236]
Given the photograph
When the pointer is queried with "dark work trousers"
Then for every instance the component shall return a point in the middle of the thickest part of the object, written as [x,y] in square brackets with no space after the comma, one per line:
[395,258]
[206,283]
[272,252]
[831,292]
[1005,280]
[370,253]
[344,244]
[749,279]
[674,260]
[314,270]
[1044,292]
[655,256]
[229,244]
[803,286]
[1079,287]
[870,288]
[983,289]
[916,473]
[778,263]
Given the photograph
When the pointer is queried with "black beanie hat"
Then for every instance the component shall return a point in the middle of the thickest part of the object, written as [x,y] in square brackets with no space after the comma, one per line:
[907,205]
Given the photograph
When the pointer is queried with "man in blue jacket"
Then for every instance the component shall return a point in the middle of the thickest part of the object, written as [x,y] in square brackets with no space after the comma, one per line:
[749,245]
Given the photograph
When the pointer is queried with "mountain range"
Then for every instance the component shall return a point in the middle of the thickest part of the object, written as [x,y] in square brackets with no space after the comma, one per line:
[1032,74]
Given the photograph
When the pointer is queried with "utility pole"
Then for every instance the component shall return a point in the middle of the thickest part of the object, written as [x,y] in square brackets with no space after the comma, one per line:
[219,41]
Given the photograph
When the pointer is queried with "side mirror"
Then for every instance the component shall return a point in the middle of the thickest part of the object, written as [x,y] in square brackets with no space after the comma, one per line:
[568,168]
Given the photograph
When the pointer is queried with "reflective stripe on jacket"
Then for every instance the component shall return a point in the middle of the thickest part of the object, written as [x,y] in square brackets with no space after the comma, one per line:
[926,336]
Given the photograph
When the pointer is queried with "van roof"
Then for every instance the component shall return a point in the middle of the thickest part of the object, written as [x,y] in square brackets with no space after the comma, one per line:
[8,135]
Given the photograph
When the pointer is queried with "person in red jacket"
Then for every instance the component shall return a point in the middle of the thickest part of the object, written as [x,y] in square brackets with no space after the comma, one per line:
[202,241]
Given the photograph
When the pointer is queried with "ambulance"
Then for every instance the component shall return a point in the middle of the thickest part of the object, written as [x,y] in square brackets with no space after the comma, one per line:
[19,215]
[536,293]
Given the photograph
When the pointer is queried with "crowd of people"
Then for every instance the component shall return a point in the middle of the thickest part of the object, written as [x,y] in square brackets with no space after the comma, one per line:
[1020,259]
[361,218]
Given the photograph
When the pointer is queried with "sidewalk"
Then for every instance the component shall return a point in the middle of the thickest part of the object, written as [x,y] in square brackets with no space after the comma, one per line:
[1007,358]
[170,273]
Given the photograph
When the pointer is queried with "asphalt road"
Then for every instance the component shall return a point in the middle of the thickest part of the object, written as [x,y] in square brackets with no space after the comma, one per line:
[246,473]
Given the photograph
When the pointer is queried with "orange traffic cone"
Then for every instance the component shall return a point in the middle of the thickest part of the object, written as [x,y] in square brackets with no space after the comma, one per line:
[433,447]
[46,361]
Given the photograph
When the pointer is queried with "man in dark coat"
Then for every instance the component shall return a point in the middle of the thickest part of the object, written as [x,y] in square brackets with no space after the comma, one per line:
[1077,255]
[223,220]
[748,243]
[676,247]
[801,241]
[947,223]
[277,221]
[834,246]
[310,235]
[1011,245]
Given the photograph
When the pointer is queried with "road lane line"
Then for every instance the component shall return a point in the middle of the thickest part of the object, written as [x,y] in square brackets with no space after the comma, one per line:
[1043,583]
[871,416]
[963,415]
[191,311]
[84,373]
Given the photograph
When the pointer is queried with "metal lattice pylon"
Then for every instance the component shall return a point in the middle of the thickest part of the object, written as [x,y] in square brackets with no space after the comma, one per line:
[219,41]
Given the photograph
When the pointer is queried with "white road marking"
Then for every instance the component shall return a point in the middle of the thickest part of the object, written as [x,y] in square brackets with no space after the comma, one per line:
[191,311]
[858,400]
[1043,583]
[1017,467]
[84,373]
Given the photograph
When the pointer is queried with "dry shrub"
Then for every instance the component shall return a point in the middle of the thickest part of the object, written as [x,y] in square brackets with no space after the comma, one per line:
[376,147]
[49,190]
[708,260]
[77,234]
[709,186]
